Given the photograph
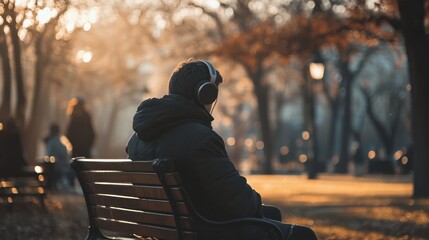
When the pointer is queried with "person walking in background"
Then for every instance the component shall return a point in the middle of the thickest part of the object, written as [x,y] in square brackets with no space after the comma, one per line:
[12,158]
[79,132]
[59,148]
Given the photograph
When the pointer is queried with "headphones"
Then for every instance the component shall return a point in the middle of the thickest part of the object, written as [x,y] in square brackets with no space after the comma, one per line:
[206,90]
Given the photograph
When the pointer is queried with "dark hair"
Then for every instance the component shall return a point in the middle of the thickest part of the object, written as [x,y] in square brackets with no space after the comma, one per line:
[187,75]
[54,128]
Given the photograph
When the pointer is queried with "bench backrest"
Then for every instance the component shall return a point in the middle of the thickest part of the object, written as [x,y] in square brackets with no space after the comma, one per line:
[144,198]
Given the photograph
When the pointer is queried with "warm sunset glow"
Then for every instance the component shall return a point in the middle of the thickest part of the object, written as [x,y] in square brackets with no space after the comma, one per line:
[317,70]
[398,154]
[404,160]
[371,154]
[38,169]
[259,144]
[231,141]
[248,142]
[45,15]
[87,27]
[303,158]
[84,56]
[284,150]
[305,135]
[28,23]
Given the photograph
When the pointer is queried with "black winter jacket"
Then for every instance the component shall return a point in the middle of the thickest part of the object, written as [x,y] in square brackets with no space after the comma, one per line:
[174,127]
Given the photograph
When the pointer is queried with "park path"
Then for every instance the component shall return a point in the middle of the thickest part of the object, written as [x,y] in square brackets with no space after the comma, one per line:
[348,207]
[336,207]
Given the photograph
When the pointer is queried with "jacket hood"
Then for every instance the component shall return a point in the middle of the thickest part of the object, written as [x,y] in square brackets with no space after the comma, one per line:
[155,116]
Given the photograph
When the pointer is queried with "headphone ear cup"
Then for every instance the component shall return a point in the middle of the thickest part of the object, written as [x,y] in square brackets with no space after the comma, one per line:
[206,93]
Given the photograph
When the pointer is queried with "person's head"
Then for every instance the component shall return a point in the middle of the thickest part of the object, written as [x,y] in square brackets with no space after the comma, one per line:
[54,129]
[196,80]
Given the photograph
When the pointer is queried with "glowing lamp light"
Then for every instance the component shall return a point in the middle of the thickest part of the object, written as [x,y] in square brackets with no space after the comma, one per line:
[87,27]
[404,161]
[303,158]
[259,145]
[284,150]
[84,56]
[41,178]
[371,154]
[231,141]
[305,135]
[38,169]
[248,142]
[317,70]
[398,154]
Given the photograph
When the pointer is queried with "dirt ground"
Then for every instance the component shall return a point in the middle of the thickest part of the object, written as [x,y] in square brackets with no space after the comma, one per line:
[336,207]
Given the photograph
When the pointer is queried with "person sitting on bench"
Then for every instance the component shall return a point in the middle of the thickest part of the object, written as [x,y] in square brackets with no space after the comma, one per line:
[178,126]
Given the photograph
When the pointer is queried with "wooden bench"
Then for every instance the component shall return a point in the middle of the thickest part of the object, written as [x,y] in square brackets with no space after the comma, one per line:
[145,199]
[29,182]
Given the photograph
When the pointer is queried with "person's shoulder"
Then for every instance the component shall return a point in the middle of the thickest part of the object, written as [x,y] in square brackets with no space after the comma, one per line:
[197,128]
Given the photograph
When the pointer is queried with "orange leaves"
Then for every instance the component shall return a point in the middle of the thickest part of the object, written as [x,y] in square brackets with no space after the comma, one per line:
[250,47]
[303,35]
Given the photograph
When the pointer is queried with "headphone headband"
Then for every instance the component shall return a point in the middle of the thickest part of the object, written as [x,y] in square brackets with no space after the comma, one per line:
[212,71]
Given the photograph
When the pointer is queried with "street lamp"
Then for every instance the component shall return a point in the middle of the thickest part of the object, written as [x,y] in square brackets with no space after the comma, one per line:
[316,71]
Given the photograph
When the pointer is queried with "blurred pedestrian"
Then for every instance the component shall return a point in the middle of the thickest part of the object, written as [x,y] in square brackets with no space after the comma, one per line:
[59,148]
[80,131]
[12,158]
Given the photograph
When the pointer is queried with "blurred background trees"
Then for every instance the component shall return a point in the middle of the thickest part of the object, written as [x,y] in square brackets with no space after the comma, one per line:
[367,108]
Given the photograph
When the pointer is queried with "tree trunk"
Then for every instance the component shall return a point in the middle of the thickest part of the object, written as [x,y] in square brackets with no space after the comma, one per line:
[310,125]
[417,47]
[33,130]
[261,93]
[6,101]
[342,166]
[19,77]
[332,128]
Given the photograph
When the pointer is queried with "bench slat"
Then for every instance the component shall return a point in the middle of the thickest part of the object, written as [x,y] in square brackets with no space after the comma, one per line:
[161,206]
[140,191]
[163,220]
[139,229]
[147,218]
[115,165]
[128,177]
